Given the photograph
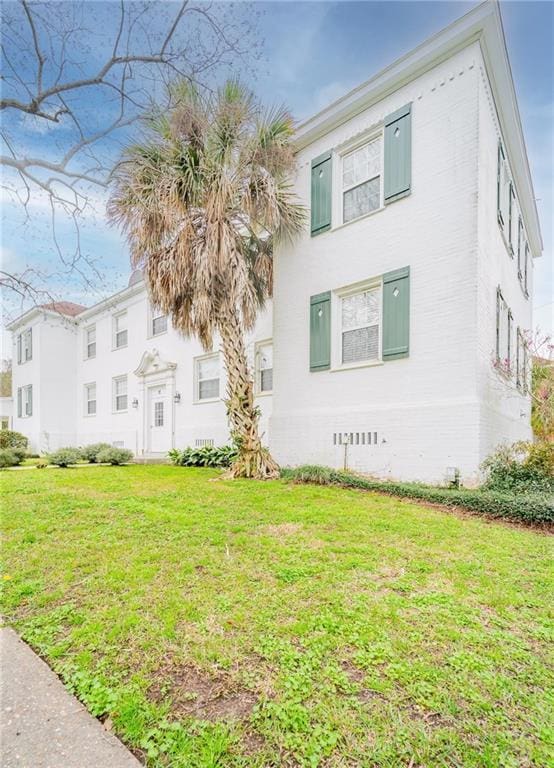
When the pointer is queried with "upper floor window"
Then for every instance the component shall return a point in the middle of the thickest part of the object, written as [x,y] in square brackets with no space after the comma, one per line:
[90,342]
[207,377]
[504,324]
[90,399]
[361,180]
[25,401]
[120,330]
[359,325]
[158,324]
[120,393]
[264,367]
[25,346]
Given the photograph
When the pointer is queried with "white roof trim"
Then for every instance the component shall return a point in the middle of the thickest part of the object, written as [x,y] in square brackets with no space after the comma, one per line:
[30,314]
[482,24]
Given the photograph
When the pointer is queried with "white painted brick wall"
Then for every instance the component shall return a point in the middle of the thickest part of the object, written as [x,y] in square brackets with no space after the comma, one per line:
[427,409]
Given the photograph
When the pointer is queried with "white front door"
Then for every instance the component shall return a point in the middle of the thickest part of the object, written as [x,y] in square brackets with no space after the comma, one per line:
[159,419]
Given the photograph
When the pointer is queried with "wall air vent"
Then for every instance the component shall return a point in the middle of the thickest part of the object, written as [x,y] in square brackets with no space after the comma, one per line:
[204,442]
[355,438]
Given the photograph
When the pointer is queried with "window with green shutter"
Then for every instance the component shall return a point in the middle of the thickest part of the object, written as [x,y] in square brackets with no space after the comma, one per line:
[398,154]
[396,314]
[320,332]
[19,403]
[321,194]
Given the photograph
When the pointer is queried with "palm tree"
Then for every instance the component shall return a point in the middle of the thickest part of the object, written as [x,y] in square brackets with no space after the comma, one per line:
[203,201]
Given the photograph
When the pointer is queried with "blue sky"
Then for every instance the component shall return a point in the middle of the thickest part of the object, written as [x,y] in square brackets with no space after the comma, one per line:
[313,53]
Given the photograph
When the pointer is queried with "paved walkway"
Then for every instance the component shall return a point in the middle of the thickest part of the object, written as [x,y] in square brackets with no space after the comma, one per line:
[42,725]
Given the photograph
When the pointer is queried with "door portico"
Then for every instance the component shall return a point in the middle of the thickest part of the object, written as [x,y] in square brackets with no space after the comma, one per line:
[157,394]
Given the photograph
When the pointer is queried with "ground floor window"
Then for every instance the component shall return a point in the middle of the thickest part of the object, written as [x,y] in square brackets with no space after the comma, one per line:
[360,321]
[120,393]
[206,372]
[90,399]
[264,367]
[25,401]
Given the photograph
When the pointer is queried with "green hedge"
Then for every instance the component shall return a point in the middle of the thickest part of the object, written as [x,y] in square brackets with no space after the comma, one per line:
[522,507]
[11,439]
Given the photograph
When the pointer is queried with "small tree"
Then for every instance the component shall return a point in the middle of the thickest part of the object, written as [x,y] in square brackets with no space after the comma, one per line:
[203,201]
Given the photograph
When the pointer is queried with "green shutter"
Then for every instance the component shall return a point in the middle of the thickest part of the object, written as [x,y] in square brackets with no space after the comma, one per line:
[30,401]
[396,314]
[500,161]
[398,154]
[320,332]
[19,402]
[321,193]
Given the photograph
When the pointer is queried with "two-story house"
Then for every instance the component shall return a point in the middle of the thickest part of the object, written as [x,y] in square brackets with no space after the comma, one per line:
[396,339]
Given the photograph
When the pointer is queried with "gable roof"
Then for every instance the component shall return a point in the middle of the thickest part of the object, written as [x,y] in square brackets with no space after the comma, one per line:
[68,308]
[483,24]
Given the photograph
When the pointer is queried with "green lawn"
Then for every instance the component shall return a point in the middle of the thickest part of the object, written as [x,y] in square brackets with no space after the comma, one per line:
[234,623]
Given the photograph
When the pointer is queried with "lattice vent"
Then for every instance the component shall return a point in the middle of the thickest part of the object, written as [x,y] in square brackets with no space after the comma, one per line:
[355,438]
[204,442]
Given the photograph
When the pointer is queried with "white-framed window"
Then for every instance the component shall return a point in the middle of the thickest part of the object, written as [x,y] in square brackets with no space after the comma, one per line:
[520,247]
[526,271]
[361,179]
[520,360]
[90,399]
[264,367]
[90,342]
[120,394]
[25,346]
[512,219]
[504,324]
[120,330]
[25,401]
[158,324]
[206,374]
[358,313]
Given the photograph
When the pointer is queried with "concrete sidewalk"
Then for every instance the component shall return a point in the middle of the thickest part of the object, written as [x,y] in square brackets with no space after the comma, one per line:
[44,726]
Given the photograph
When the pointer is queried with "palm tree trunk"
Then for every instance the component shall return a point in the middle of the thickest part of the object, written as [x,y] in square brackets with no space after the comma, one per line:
[253,460]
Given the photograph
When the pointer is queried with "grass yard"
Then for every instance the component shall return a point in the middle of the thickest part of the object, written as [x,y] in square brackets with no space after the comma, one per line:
[219,623]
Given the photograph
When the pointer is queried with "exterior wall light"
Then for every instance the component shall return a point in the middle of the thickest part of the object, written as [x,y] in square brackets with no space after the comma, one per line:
[177,397]
[134,402]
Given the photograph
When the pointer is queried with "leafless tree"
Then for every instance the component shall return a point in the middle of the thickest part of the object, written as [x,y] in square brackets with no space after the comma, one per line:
[76,77]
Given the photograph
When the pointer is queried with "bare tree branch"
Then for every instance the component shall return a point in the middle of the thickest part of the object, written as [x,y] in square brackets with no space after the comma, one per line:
[76,79]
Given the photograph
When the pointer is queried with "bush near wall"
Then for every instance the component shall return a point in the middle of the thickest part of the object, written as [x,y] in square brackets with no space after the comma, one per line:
[90,452]
[11,439]
[114,456]
[523,466]
[536,508]
[63,457]
[11,457]
[208,456]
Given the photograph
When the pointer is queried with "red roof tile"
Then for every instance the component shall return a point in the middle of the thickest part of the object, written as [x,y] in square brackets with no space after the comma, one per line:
[64,308]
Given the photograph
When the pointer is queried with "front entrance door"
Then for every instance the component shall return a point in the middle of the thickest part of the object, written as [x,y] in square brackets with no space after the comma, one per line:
[159,419]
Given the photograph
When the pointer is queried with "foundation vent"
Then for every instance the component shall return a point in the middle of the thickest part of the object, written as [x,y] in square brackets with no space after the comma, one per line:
[355,438]
[204,442]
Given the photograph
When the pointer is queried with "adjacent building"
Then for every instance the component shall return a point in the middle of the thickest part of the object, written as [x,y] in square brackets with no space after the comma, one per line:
[395,343]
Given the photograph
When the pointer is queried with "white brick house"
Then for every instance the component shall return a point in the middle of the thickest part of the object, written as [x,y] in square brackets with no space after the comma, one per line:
[389,313]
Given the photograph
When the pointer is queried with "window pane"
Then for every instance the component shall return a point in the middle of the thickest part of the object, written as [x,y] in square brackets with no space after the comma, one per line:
[362,164]
[266,356]
[362,199]
[266,380]
[121,339]
[91,407]
[208,368]
[121,403]
[360,344]
[121,386]
[91,349]
[208,388]
[159,325]
[360,309]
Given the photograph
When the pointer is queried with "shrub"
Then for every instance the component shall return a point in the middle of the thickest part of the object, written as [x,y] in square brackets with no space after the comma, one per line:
[208,456]
[63,457]
[114,456]
[11,439]
[90,452]
[521,467]
[522,507]
[10,457]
